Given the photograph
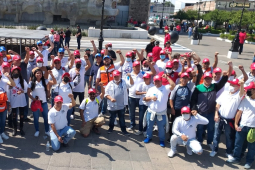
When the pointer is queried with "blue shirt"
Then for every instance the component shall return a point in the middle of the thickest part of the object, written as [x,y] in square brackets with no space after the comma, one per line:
[93,71]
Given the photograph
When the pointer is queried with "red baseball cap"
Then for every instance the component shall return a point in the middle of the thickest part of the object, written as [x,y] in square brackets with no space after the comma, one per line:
[77,60]
[157,77]
[102,51]
[56,59]
[91,90]
[162,52]
[252,66]
[185,109]
[15,67]
[136,63]
[206,60]
[58,99]
[5,64]
[169,64]
[150,55]
[129,54]
[250,86]
[52,30]
[65,74]
[147,76]
[16,57]
[234,82]
[207,75]
[185,54]
[40,59]
[31,53]
[184,75]
[134,52]
[217,70]
[175,60]
[189,70]
[109,44]
[233,72]
[115,73]
[76,52]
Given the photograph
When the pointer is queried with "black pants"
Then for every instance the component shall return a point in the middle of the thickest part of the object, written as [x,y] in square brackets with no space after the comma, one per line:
[81,97]
[14,117]
[240,48]
[173,117]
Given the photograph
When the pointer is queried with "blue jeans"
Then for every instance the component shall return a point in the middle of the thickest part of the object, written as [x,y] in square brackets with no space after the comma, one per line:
[132,104]
[210,129]
[67,40]
[121,115]
[26,107]
[142,109]
[190,33]
[241,138]
[45,117]
[86,80]
[229,133]
[104,105]
[69,112]
[68,134]
[161,126]
[78,42]
[2,120]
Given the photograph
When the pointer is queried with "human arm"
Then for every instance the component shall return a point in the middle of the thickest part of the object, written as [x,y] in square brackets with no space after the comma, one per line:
[171,103]
[87,62]
[90,81]
[51,46]
[241,92]
[215,60]
[193,102]
[29,94]
[170,81]
[216,116]
[10,82]
[140,57]
[94,47]
[82,117]
[27,49]
[200,119]
[69,53]
[153,71]
[122,60]
[195,57]
[56,133]
[12,52]
[73,103]
[230,68]
[102,90]
[222,82]
[131,81]
[245,76]
[237,119]
[53,81]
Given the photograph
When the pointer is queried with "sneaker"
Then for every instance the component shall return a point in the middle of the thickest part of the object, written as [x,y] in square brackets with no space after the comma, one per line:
[162,144]
[130,128]
[126,133]
[72,117]
[233,161]
[4,136]
[47,133]
[155,128]
[1,140]
[138,132]
[247,166]
[171,153]
[213,153]
[147,140]
[189,151]
[230,156]
[211,146]
[36,134]
[110,131]
[145,134]
[27,120]
[115,122]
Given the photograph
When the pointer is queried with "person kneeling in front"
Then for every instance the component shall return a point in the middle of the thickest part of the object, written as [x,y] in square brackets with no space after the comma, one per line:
[89,113]
[184,132]
[58,123]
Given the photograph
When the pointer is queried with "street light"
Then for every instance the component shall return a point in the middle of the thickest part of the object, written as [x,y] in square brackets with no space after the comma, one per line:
[163,8]
[198,10]
[101,39]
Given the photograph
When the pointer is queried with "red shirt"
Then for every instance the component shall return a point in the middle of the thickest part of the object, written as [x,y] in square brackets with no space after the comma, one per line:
[173,77]
[166,27]
[167,38]
[168,48]
[178,28]
[155,53]
[242,37]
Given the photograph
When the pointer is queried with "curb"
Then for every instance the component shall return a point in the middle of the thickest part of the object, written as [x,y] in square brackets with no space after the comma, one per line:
[229,41]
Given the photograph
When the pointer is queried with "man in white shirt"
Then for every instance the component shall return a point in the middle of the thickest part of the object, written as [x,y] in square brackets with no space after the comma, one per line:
[184,132]
[162,62]
[251,75]
[58,123]
[45,53]
[89,113]
[246,112]
[156,99]
[225,113]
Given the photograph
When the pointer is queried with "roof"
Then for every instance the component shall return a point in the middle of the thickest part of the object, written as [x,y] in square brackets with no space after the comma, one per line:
[22,33]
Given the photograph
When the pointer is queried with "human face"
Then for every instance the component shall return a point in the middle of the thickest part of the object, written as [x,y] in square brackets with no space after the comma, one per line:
[4,53]
[206,65]
[32,56]
[107,62]
[16,62]
[98,59]
[136,69]
[150,59]
[116,78]
[158,83]
[58,105]
[207,81]
[6,70]
[57,64]
[60,55]
[147,81]
[92,96]
[217,76]
[236,88]
[253,72]
[184,80]
[88,53]
[38,75]
[77,56]
[40,46]
[176,65]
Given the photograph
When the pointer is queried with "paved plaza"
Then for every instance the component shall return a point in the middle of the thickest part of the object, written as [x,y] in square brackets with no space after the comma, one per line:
[116,151]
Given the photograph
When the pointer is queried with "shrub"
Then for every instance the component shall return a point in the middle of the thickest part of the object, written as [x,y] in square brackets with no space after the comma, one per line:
[33,27]
[83,34]
[222,35]
[231,37]
[10,27]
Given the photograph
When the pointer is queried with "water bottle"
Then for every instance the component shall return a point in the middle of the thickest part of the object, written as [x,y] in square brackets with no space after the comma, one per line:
[127,77]
[185,142]
[48,146]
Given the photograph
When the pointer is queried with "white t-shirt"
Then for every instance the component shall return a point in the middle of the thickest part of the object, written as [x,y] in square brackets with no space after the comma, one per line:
[162,94]
[58,118]
[91,110]
[63,90]
[64,61]
[3,83]
[45,54]
[80,86]
[39,90]
[126,68]
[58,75]
[250,78]
[247,105]
[83,63]
[220,91]
[188,128]
[229,104]
[137,80]
[116,67]
[18,100]
[142,87]
[162,64]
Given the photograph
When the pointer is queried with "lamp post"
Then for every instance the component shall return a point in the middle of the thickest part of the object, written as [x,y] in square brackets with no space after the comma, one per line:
[163,8]
[101,39]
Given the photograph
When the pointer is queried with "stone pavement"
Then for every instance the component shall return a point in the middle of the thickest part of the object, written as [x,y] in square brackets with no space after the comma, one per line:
[116,151]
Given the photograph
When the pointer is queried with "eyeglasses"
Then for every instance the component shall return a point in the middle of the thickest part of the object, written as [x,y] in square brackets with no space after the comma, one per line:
[61,53]
[39,44]
[56,62]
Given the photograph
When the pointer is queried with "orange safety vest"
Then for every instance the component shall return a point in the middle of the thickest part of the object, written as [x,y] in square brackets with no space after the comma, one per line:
[9,58]
[106,75]
[209,70]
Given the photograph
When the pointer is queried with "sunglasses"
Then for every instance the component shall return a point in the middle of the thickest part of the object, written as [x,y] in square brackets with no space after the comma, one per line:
[61,53]
[39,44]
[56,62]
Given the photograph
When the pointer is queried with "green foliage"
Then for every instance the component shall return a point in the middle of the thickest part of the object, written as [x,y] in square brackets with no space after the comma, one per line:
[232,32]
[230,37]
[168,4]
[32,27]
[223,36]
[181,15]
[251,37]
[10,27]
[192,15]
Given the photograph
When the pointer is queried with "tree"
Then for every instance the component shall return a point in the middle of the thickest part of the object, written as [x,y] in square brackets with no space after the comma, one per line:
[168,4]
[192,14]
[181,15]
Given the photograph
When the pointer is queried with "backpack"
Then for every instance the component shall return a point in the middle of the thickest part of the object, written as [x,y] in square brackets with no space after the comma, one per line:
[3,99]
[251,135]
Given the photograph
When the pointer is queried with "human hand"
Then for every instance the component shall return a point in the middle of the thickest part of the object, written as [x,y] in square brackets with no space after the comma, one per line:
[216,53]
[164,76]
[77,72]
[33,48]
[66,48]
[184,137]
[92,41]
[128,74]
[86,57]
[224,73]
[52,57]
[10,51]
[238,129]
[118,51]
[194,112]
[241,67]
[70,95]
[60,139]
[113,100]
[216,118]
[230,63]
[20,91]
[154,98]
[50,72]
[241,82]
[27,49]
[7,74]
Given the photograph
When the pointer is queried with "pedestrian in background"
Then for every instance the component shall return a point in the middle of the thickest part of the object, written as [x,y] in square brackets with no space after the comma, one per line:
[78,36]
[67,36]
[242,37]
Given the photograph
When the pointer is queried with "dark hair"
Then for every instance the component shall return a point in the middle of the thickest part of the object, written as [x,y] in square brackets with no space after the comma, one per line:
[34,80]
[21,80]
[176,55]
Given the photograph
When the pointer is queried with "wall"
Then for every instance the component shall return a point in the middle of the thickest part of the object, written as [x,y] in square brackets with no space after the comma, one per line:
[139,9]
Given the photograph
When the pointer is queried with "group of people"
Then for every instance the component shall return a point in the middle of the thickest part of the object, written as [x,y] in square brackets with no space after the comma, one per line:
[194,93]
